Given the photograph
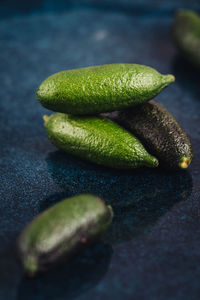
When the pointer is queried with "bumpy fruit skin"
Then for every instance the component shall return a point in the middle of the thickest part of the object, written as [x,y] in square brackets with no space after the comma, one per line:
[98,140]
[159,132]
[186,35]
[61,231]
[103,88]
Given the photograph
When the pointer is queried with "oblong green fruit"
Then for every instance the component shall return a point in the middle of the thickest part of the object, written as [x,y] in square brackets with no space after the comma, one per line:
[103,88]
[160,133]
[61,231]
[98,140]
[186,35]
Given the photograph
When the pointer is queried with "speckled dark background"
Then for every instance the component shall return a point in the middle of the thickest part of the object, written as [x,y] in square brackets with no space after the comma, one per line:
[152,250]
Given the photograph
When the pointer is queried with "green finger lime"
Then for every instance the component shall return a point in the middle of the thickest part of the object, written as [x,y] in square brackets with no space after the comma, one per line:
[103,88]
[61,231]
[186,35]
[98,140]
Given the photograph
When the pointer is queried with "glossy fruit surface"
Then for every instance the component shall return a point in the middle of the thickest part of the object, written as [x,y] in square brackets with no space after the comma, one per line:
[186,35]
[98,140]
[159,132]
[101,88]
[62,230]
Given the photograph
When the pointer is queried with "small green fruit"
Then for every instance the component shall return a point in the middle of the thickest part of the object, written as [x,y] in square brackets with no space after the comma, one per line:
[103,88]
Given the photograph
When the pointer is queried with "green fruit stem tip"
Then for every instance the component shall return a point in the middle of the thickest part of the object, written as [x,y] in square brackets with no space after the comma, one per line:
[30,266]
[167,79]
[151,162]
[184,163]
[46,119]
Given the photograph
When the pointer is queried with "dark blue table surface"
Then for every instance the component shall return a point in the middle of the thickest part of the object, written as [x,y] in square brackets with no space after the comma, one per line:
[152,248]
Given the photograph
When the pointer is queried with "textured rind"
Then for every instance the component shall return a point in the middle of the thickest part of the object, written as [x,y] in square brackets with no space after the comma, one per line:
[158,130]
[186,35]
[98,140]
[102,88]
[62,230]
